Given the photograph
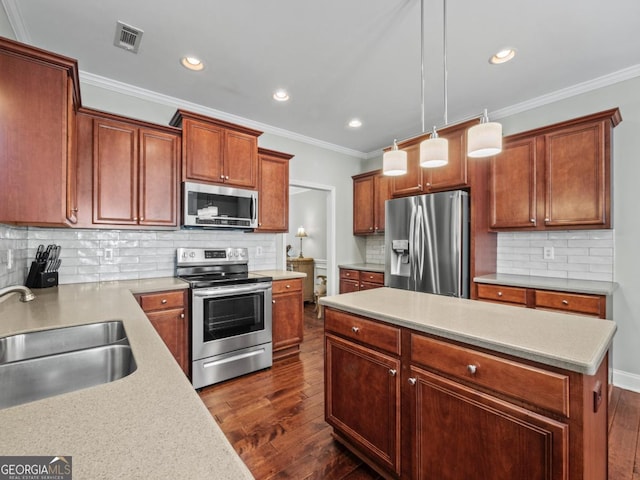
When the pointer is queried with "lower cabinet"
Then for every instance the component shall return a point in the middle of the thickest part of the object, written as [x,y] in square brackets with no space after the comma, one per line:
[287,318]
[167,312]
[416,406]
[355,280]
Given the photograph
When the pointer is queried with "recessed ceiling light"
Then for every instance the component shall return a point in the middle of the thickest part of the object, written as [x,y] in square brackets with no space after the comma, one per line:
[192,63]
[355,123]
[503,56]
[281,95]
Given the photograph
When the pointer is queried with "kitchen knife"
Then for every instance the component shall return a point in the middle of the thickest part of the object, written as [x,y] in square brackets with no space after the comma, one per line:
[39,252]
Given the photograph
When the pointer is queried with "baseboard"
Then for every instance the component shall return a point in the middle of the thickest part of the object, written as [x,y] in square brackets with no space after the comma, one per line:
[626,380]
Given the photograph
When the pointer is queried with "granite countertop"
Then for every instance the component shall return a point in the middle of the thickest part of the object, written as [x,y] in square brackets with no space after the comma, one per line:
[150,424]
[368,267]
[547,283]
[280,274]
[572,342]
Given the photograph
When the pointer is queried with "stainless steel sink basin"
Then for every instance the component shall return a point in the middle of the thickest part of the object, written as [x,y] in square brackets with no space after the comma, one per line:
[59,340]
[45,376]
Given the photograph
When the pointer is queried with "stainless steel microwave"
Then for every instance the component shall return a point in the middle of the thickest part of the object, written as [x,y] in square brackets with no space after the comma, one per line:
[213,206]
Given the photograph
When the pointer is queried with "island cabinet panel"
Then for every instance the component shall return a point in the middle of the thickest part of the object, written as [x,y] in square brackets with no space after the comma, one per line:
[273,191]
[555,177]
[460,433]
[214,151]
[40,95]
[287,318]
[167,312]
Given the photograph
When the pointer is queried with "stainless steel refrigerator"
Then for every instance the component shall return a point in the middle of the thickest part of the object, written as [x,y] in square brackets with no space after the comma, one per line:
[427,243]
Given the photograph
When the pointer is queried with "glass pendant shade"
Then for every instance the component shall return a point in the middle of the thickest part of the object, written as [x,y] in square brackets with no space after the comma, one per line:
[434,152]
[394,162]
[484,139]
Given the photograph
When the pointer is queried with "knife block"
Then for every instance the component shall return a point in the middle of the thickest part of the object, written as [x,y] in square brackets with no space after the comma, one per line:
[38,278]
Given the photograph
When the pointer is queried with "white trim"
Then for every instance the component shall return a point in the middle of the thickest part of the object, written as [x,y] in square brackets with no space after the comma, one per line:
[142,93]
[626,380]
[16,21]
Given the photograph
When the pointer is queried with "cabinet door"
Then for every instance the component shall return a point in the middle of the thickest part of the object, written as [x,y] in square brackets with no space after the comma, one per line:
[381,193]
[512,186]
[115,172]
[158,202]
[575,176]
[240,159]
[363,207]
[362,399]
[287,320]
[461,433]
[454,173]
[202,151]
[171,326]
[347,286]
[411,183]
[273,194]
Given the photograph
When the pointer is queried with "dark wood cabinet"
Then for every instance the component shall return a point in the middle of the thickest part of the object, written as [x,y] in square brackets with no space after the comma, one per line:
[214,151]
[167,312]
[287,317]
[420,180]
[40,95]
[370,191]
[555,177]
[135,174]
[273,191]
[352,280]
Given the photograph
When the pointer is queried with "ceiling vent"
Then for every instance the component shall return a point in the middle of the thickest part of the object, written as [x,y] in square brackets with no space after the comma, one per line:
[127,37]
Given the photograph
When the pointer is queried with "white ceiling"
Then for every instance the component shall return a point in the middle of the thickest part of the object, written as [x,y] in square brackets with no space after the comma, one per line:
[342,59]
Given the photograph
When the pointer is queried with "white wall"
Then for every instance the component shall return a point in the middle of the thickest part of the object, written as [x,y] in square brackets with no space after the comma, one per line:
[308,209]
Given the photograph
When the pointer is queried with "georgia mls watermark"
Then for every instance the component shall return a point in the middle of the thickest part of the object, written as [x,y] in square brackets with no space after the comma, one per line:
[35,468]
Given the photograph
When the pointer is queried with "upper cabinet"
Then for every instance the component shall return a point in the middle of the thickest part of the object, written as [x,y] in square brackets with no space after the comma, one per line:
[370,191]
[555,177]
[40,94]
[273,191]
[420,180]
[214,151]
[128,171]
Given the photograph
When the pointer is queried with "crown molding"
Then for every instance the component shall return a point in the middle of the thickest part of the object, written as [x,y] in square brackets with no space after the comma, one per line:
[144,94]
[16,21]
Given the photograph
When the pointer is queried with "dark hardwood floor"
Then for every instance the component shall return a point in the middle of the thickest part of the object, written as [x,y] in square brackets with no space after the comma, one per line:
[275,421]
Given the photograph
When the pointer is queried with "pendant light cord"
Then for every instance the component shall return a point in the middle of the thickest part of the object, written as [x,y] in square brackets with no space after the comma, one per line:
[422,59]
[444,56]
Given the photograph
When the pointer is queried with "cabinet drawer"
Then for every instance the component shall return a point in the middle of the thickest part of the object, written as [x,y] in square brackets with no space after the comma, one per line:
[571,302]
[372,277]
[283,286]
[162,300]
[384,337]
[539,387]
[499,293]
[350,274]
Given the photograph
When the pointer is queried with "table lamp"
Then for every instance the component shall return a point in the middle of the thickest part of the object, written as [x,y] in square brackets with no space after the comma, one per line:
[301,234]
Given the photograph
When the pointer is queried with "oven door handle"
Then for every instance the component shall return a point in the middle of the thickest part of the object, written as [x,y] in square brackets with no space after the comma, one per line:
[220,291]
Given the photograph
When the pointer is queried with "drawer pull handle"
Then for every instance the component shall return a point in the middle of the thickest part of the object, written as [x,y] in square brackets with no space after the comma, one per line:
[472,369]
[565,302]
[412,381]
[163,301]
[392,372]
[499,294]
[355,329]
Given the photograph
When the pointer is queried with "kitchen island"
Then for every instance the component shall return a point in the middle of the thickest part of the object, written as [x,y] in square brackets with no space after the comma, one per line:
[150,424]
[459,389]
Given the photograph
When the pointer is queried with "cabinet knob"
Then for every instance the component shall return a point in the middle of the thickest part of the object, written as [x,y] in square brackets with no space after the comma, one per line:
[419,186]
[355,329]
[499,294]
[392,372]
[74,210]
[347,274]
[163,301]
[273,301]
[182,315]
[547,219]
[288,286]
[142,219]
[226,177]
[370,229]
[565,302]
[428,184]
[412,381]
[221,177]
[533,220]
[472,369]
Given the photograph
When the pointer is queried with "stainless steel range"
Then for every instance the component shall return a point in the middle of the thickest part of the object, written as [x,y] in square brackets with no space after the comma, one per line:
[230,314]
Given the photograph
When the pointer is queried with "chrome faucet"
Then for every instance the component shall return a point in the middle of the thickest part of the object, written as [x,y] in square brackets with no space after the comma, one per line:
[26,294]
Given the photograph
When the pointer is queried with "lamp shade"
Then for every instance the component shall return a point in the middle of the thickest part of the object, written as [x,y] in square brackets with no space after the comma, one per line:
[394,162]
[301,232]
[484,139]
[434,152]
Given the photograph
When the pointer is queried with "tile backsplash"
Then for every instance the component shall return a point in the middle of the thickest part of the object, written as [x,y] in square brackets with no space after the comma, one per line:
[577,254]
[136,253]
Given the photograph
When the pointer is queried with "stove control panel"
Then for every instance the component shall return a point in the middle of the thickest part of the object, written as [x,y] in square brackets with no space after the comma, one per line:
[211,256]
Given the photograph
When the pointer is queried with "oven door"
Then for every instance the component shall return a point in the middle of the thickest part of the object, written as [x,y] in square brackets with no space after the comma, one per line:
[229,318]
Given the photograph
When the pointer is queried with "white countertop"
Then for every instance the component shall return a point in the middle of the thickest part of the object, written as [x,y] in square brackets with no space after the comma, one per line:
[549,283]
[572,342]
[150,424]
[368,267]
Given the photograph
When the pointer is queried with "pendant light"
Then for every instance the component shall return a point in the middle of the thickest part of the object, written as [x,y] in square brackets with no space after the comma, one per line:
[434,152]
[484,139]
[394,162]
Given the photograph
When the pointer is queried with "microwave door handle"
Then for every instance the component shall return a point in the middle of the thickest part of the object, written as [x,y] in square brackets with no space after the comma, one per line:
[254,213]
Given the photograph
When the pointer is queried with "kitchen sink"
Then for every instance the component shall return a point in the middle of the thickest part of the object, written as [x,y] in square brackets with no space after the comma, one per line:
[33,379]
[59,340]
